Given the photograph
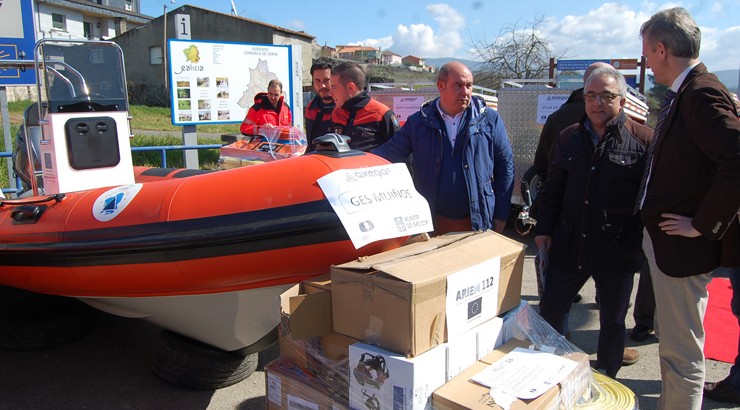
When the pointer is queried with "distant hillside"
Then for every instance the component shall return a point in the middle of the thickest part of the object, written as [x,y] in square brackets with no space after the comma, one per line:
[729,78]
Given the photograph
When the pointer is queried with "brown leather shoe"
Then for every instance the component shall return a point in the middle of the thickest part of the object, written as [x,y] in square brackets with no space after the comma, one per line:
[630,357]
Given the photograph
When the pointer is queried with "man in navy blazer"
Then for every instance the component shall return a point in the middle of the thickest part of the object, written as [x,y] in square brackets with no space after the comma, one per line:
[691,201]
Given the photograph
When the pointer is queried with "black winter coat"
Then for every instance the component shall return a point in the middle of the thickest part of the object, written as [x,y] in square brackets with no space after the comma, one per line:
[588,198]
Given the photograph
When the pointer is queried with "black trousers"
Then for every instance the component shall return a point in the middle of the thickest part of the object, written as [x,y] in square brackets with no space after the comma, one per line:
[561,285]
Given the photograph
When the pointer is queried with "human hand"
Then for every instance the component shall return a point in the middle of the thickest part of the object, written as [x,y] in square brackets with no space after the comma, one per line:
[543,241]
[678,225]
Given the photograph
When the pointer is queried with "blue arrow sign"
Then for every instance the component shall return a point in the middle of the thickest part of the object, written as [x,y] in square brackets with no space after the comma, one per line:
[17,40]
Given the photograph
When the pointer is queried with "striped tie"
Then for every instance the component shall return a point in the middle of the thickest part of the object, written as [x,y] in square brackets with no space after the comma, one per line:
[665,106]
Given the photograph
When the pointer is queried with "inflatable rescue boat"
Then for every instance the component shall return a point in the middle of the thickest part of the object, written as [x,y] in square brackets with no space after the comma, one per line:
[204,254]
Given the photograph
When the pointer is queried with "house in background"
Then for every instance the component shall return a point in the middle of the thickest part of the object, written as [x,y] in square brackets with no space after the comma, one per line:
[388,57]
[81,20]
[360,54]
[326,51]
[143,47]
[413,61]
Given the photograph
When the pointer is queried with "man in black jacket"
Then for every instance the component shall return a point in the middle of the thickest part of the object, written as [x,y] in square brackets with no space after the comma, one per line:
[317,115]
[586,220]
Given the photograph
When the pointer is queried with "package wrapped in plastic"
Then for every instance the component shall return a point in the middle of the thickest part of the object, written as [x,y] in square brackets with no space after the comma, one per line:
[323,359]
[272,144]
[290,387]
[525,323]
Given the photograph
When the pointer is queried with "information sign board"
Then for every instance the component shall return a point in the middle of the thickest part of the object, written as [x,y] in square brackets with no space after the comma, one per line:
[216,82]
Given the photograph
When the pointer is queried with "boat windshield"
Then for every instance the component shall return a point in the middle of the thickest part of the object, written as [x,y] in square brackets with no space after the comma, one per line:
[82,77]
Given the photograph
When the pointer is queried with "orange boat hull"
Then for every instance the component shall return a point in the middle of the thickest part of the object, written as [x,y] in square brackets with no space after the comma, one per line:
[223,231]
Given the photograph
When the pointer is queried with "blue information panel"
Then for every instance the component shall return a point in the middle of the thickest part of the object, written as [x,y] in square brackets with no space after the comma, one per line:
[17,40]
[575,65]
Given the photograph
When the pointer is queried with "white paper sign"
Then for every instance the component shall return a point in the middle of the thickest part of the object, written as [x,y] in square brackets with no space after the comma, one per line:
[472,296]
[526,373]
[549,103]
[377,203]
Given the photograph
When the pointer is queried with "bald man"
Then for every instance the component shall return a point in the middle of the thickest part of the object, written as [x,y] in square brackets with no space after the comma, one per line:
[462,160]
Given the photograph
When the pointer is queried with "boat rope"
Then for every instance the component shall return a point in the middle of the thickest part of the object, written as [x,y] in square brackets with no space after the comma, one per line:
[28,201]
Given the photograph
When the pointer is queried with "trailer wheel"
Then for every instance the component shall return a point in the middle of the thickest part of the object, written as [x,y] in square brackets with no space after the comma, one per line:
[31,321]
[531,186]
[191,364]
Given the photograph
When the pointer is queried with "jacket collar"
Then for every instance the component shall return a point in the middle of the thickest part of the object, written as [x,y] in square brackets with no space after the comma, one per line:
[357,102]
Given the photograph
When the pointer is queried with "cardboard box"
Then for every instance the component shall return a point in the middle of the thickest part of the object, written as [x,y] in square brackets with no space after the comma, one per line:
[306,308]
[289,388]
[489,336]
[384,380]
[306,337]
[411,298]
[461,393]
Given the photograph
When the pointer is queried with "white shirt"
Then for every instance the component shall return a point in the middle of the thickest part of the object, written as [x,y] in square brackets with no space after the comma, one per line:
[451,123]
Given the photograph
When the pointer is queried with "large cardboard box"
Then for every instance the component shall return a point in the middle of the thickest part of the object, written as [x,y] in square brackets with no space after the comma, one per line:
[461,393]
[385,380]
[412,298]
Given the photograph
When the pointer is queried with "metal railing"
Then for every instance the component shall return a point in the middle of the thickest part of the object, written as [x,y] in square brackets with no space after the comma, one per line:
[163,156]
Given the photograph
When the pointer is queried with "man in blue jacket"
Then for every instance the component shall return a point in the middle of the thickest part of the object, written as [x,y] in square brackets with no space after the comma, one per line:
[462,160]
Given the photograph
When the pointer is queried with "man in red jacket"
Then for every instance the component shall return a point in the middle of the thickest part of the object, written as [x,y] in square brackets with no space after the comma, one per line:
[368,122]
[269,110]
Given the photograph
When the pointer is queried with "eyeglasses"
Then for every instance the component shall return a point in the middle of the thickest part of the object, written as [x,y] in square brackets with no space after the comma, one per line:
[605,96]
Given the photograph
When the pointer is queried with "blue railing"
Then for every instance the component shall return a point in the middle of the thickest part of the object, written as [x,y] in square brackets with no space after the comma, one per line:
[163,156]
[165,148]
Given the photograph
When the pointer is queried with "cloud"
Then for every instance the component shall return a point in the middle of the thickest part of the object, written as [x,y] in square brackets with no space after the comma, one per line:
[421,40]
[297,25]
[613,31]
[610,31]
[720,48]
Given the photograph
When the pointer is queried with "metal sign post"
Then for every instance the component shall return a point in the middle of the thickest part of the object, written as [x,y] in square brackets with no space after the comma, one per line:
[17,41]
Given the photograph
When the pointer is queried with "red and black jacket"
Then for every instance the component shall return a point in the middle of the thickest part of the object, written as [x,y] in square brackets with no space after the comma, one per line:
[317,118]
[368,122]
[262,112]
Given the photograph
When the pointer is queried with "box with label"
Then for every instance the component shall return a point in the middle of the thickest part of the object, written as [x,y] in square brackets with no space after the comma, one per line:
[287,387]
[412,298]
[464,393]
[381,379]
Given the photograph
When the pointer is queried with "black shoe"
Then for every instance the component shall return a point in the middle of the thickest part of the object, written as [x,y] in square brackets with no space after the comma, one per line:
[721,392]
[640,333]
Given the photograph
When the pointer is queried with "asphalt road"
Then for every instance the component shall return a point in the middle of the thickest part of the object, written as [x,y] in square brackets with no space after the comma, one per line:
[109,368]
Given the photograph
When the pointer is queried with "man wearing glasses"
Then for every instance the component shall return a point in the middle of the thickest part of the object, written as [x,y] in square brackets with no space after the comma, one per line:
[586,220]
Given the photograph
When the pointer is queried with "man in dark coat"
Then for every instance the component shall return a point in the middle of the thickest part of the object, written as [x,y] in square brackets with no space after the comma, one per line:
[690,200]
[586,220]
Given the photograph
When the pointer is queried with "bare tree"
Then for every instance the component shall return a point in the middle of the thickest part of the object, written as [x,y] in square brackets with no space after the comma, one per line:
[516,52]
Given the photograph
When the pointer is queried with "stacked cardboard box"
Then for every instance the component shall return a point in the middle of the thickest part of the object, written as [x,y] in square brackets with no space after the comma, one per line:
[388,330]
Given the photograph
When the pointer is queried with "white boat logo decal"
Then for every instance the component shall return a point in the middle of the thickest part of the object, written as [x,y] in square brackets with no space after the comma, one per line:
[113,201]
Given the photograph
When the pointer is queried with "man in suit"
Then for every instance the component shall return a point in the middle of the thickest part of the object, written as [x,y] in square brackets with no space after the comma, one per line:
[690,201]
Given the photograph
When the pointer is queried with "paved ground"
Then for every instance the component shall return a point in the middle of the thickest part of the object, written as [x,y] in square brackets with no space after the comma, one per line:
[109,368]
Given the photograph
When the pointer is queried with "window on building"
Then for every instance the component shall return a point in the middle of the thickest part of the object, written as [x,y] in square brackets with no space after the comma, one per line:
[58,21]
[87,29]
[155,55]
[128,5]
